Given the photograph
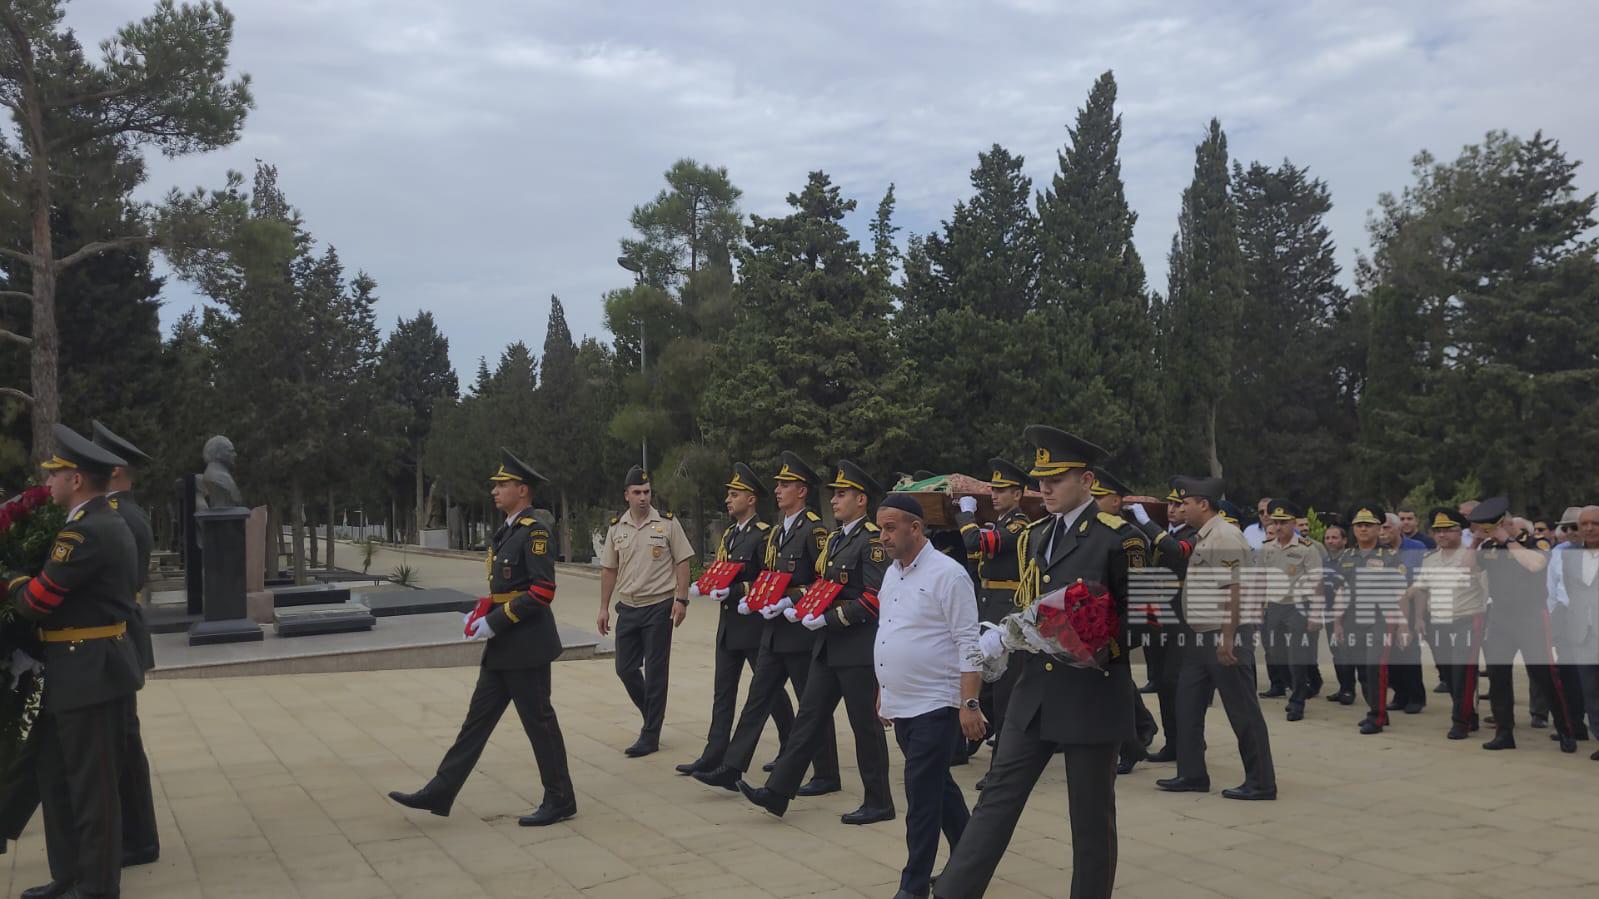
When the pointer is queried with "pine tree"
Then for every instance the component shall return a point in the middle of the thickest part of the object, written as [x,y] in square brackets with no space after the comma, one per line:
[416,374]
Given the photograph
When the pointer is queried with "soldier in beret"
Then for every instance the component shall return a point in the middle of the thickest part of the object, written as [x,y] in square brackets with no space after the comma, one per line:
[645,567]
[82,602]
[522,642]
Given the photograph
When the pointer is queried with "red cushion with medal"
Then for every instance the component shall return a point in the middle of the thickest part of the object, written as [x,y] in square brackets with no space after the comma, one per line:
[817,598]
[768,588]
[718,577]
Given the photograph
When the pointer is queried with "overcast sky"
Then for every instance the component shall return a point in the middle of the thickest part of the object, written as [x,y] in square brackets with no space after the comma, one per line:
[476,156]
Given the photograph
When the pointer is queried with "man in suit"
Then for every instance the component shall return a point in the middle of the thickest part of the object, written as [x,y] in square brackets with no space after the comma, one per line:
[1082,714]
[841,663]
[738,629]
[793,547]
[141,843]
[522,642]
[1574,593]
[82,602]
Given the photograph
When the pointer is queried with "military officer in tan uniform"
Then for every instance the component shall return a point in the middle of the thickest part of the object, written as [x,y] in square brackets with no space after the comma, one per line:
[1291,567]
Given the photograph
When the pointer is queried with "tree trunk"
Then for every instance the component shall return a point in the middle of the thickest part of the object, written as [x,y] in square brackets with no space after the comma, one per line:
[297,528]
[421,500]
[1210,440]
[394,530]
[46,409]
[330,530]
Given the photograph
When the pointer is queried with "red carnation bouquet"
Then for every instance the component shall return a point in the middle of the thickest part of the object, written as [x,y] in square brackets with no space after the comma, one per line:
[28,527]
[1077,625]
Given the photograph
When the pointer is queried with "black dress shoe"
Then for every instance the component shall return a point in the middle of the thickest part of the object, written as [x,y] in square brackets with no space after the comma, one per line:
[1167,753]
[1504,739]
[764,798]
[1540,721]
[132,858]
[1370,726]
[818,787]
[1295,713]
[905,894]
[1149,687]
[972,746]
[767,768]
[1249,794]
[1568,745]
[1396,705]
[55,889]
[864,815]
[546,815]
[1459,732]
[1183,785]
[1125,766]
[1414,708]
[1441,688]
[959,761]
[1476,725]
[423,800]
[642,746]
[1274,693]
[720,776]
[1582,733]
[699,764]
[1595,756]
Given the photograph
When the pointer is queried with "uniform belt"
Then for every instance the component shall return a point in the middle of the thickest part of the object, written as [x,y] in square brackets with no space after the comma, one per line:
[501,599]
[76,634]
[1001,585]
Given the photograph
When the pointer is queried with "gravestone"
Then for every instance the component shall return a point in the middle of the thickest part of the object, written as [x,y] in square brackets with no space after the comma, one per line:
[221,517]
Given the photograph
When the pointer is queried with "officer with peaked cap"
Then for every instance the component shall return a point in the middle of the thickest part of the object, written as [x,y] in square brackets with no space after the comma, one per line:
[1169,550]
[1291,566]
[82,602]
[522,642]
[140,838]
[1080,713]
[738,628]
[1370,579]
[1143,626]
[1450,589]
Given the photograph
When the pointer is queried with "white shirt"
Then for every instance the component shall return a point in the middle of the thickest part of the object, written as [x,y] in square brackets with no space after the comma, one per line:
[1256,535]
[926,634]
[75,509]
[788,523]
[1556,573]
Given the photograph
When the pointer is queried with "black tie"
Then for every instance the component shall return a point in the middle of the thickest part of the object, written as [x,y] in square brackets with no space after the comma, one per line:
[1054,540]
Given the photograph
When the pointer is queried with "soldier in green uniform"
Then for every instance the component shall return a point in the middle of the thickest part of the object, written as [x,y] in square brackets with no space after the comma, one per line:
[738,629]
[140,840]
[1169,550]
[992,547]
[83,600]
[1143,626]
[841,663]
[1081,714]
[1370,580]
[522,642]
[793,545]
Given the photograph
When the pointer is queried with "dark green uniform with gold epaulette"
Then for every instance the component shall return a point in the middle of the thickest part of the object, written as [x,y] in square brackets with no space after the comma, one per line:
[82,601]
[515,667]
[841,662]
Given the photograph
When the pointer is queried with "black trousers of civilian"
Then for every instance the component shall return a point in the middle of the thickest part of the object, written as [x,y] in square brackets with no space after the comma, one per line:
[1456,646]
[730,664]
[1588,674]
[644,659]
[139,832]
[933,800]
[79,764]
[1514,629]
[1204,675]
[529,688]
[1019,760]
[772,670]
[825,686]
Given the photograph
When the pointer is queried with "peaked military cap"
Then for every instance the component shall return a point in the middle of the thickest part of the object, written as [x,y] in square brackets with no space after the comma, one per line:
[1057,452]
[103,436]
[744,479]
[1229,510]
[854,477]
[1175,494]
[514,469]
[1489,511]
[1367,513]
[1444,518]
[1107,484]
[636,477]
[1203,488]
[1008,474]
[1283,510]
[74,452]
[795,469]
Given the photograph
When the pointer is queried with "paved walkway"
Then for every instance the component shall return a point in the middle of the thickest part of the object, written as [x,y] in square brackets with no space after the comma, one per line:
[275,787]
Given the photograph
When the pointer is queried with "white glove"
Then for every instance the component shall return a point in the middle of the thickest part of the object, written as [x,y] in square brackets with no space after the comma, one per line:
[1139,515]
[968,504]
[721,594]
[790,614]
[814,622]
[482,630]
[694,589]
[770,612]
[743,607]
[22,663]
[992,643]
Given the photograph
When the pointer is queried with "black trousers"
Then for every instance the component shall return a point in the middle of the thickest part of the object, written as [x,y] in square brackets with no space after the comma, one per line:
[1456,646]
[529,688]
[1288,635]
[1203,675]
[20,796]
[139,832]
[1276,634]
[1370,646]
[1144,730]
[933,800]
[772,670]
[1512,630]
[79,764]
[825,685]
[1588,675]
[730,665]
[1405,674]
[1019,759]
[644,659]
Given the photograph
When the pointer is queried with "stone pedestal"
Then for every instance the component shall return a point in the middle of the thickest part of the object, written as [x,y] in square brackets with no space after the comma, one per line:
[226,609]
[257,598]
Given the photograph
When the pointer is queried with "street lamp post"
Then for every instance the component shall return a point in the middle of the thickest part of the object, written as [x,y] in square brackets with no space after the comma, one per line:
[638,281]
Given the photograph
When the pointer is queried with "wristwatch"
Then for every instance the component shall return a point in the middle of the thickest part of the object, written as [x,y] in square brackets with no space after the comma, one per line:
[971,704]
[681,599]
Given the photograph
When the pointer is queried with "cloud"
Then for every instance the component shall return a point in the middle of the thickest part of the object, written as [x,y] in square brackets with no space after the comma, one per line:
[477,156]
